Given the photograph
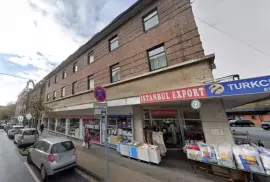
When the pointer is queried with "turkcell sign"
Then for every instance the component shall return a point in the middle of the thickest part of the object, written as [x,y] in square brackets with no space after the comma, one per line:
[239,87]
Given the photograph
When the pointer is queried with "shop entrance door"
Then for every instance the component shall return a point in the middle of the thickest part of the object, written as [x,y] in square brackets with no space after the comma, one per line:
[166,121]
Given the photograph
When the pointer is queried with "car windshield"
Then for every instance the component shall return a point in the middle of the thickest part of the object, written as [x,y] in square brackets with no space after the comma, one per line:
[62,147]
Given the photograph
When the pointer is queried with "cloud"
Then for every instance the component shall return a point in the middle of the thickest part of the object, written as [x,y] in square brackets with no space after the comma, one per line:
[37,35]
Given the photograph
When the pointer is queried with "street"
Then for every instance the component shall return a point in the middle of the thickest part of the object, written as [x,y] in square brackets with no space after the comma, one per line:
[14,167]
[256,134]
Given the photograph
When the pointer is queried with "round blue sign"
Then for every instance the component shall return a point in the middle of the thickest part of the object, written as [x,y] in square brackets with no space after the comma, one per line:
[100,94]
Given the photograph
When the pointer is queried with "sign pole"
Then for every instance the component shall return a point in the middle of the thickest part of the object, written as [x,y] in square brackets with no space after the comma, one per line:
[100,96]
[106,148]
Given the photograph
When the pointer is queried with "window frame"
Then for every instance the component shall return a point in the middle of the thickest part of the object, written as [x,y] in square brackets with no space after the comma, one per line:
[73,87]
[49,82]
[54,94]
[117,65]
[90,77]
[48,97]
[55,79]
[88,57]
[148,56]
[114,37]
[147,14]
[64,74]
[63,89]
[75,64]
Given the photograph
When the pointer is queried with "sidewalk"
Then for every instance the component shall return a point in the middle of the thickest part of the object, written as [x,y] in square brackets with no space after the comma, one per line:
[123,169]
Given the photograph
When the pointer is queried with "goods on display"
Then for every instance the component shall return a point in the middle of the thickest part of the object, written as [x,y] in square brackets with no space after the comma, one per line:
[243,157]
[143,152]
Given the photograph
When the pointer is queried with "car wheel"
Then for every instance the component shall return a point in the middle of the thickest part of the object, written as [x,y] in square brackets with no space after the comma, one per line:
[43,174]
[29,160]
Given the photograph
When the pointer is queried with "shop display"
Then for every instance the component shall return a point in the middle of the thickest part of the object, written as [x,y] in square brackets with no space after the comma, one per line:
[52,124]
[225,155]
[154,154]
[158,141]
[246,157]
[74,128]
[143,153]
[93,127]
[61,125]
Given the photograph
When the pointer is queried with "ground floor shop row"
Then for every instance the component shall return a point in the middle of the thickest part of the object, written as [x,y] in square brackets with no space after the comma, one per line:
[177,122]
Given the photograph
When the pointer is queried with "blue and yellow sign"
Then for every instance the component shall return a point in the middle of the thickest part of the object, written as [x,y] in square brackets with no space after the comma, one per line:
[239,87]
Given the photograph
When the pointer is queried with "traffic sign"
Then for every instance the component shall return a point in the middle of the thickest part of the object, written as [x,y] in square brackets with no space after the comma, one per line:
[20,118]
[196,104]
[100,94]
[28,116]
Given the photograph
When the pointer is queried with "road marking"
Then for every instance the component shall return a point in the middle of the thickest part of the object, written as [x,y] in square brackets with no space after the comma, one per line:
[31,172]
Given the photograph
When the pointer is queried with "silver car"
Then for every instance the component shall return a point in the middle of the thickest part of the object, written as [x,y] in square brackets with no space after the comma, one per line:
[52,155]
[26,136]
[14,130]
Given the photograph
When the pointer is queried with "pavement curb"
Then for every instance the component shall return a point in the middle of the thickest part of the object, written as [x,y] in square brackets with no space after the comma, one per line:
[90,173]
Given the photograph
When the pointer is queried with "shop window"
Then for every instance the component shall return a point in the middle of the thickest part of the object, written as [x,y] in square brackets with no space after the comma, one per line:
[150,20]
[90,82]
[75,67]
[157,58]
[113,43]
[115,73]
[90,58]
[93,128]
[74,127]
[253,117]
[64,74]
[192,126]
[52,124]
[45,122]
[61,126]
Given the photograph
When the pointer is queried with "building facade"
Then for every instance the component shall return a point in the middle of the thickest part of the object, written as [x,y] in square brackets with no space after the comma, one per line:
[152,47]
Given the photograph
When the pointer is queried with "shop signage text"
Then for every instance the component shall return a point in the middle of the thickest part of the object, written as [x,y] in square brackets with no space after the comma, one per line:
[163,112]
[177,94]
[239,87]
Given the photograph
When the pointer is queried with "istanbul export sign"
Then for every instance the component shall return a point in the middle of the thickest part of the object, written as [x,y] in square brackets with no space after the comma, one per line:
[177,94]
[239,87]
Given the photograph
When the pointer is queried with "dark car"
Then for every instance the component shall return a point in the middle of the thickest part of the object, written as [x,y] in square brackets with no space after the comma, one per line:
[241,123]
[265,125]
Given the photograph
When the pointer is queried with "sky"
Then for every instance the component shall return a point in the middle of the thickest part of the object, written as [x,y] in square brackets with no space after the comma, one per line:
[37,35]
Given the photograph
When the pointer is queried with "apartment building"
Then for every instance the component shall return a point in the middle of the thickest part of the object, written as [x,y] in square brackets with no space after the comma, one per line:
[152,47]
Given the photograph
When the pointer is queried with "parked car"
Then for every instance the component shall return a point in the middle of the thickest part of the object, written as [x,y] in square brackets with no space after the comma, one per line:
[265,125]
[8,127]
[241,123]
[14,130]
[52,155]
[26,136]
[2,126]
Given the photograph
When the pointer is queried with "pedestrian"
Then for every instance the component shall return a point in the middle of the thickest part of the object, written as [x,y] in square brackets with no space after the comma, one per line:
[87,139]
[41,127]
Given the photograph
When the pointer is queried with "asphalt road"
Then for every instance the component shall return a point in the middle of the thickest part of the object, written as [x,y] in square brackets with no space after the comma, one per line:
[256,134]
[14,167]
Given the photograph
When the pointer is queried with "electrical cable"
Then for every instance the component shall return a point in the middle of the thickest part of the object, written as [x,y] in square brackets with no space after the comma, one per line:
[242,42]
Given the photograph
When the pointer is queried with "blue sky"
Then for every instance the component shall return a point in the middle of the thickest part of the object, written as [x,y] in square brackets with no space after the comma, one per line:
[36,35]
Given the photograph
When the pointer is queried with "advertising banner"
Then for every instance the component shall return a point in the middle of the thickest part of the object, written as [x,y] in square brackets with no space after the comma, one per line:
[239,87]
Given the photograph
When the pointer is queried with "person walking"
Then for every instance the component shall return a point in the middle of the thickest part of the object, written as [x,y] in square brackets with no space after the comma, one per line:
[41,128]
[87,139]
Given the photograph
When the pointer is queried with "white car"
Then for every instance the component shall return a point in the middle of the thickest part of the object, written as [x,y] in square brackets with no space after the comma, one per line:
[26,136]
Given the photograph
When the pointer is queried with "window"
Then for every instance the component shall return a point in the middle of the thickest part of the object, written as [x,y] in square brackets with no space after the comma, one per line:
[115,73]
[63,92]
[73,87]
[91,82]
[157,58]
[64,74]
[150,20]
[113,43]
[54,95]
[75,67]
[62,147]
[55,79]
[49,82]
[90,58]
[48,97]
